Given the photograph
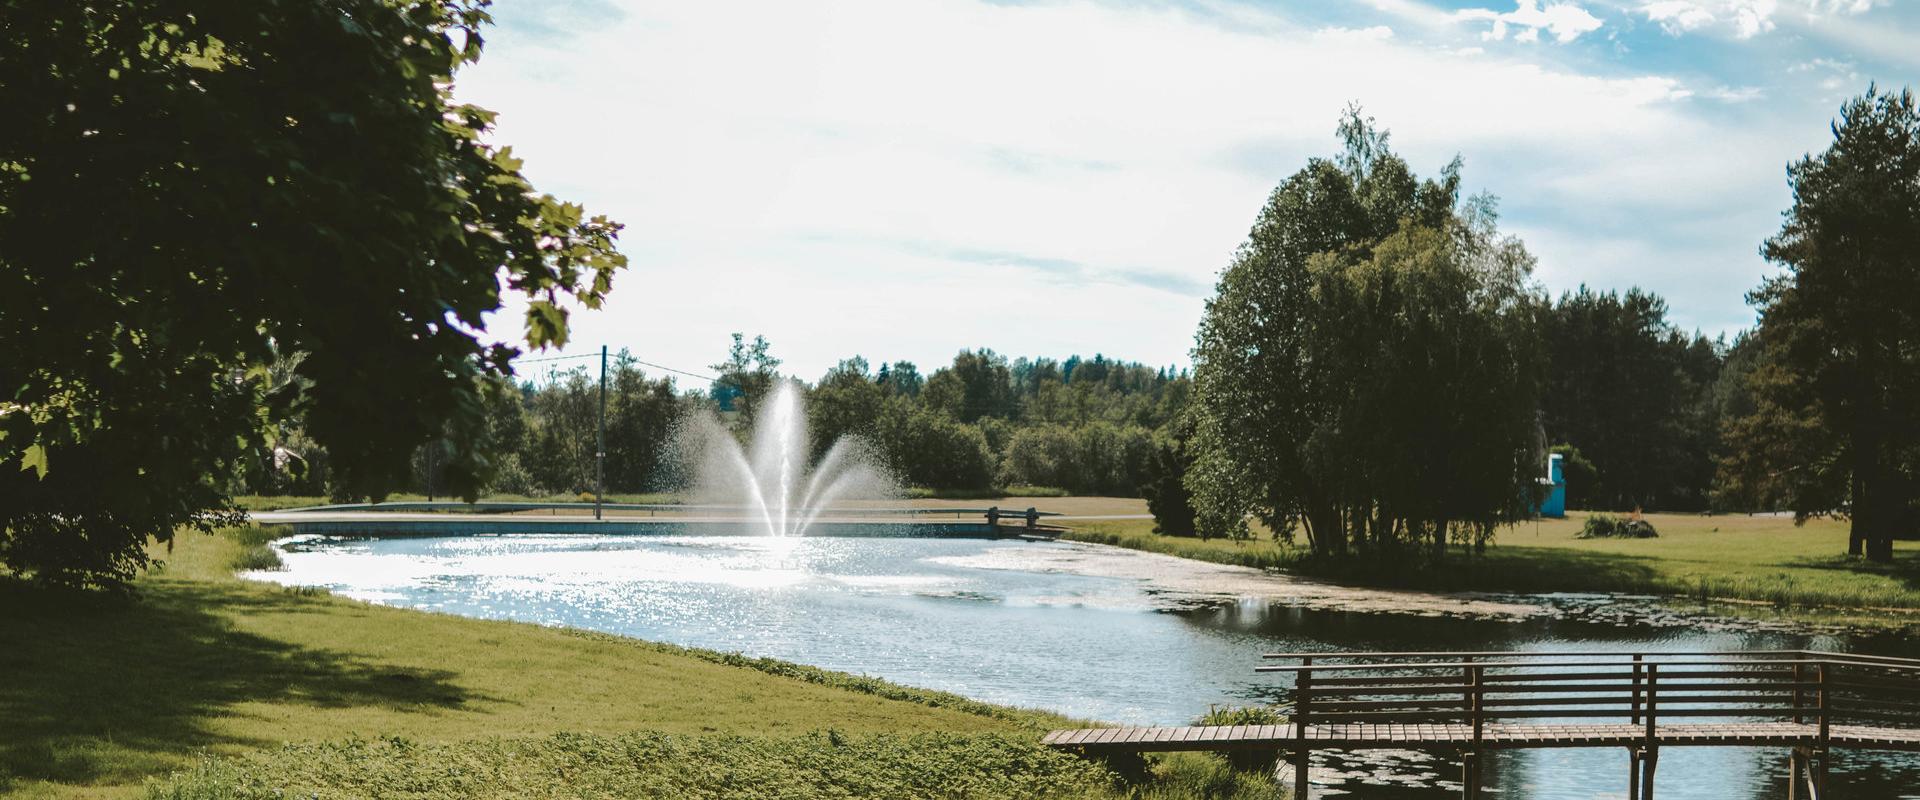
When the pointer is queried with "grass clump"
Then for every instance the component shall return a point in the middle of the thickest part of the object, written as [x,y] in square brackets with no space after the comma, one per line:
[254,549]
[1242,715]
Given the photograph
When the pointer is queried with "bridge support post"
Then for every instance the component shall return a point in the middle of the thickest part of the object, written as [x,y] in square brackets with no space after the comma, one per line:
[1470,775]
[1649,761]
[1267,761]
[1302,764]
[1132,766]
[1633,773]
[1814,761]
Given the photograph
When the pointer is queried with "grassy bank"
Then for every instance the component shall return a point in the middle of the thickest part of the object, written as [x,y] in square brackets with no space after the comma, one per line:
[1765,559]
[315,694]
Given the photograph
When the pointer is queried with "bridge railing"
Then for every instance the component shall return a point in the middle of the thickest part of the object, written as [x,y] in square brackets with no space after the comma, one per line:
[1474,689]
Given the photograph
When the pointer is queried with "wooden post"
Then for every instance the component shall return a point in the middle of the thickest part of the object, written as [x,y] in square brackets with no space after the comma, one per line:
[1799,697]
[1470,757]
[1817,760]
[1633,773]
[1467,698]
[1820,702]
[1302,701]
[1638,659]
[1796,765]
[1650,753]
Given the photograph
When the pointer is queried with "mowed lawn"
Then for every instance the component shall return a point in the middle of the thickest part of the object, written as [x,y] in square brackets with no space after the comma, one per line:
[98,694]
[1734,557]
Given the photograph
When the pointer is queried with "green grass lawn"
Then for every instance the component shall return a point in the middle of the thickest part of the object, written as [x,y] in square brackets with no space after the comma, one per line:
[1736,557]
[314,694]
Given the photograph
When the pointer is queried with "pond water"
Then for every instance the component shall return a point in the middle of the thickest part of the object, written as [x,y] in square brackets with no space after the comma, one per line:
[991,621]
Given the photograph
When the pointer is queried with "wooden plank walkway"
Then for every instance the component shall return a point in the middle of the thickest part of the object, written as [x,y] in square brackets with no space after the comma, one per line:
[1809,702]
[1361,736]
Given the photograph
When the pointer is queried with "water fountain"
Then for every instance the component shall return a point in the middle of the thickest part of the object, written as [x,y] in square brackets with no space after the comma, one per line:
[770,478]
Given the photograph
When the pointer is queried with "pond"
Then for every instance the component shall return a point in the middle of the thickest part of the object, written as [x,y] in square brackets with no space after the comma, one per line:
[1003,622]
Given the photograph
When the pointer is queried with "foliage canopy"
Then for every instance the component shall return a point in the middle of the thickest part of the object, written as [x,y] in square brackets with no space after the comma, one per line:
[1835,420]
[1369,370]
[190,187]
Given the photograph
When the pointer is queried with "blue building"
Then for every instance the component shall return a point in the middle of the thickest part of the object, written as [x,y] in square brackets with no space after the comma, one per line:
[1555,505]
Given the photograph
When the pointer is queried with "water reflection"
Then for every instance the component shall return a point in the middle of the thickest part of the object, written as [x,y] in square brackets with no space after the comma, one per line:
[1088,646]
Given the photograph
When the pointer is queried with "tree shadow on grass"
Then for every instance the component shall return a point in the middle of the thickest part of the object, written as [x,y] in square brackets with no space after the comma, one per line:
[1904,568]
[100,689]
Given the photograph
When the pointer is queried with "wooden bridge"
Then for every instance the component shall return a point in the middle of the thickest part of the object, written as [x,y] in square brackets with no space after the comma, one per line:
[1809,703]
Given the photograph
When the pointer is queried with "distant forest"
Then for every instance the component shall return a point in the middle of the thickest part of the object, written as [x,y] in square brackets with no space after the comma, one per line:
[1634,403]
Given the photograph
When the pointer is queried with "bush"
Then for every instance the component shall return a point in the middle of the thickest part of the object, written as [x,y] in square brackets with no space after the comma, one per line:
[1608,526]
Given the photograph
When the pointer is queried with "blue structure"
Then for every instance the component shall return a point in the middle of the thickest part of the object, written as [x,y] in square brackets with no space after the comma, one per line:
[1556,503]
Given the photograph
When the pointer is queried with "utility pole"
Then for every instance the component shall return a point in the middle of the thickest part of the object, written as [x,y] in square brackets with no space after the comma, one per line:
[600,450]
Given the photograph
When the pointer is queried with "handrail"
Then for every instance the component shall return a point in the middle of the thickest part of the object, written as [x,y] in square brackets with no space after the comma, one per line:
[1641,688]
[1384,656]
[1526,665]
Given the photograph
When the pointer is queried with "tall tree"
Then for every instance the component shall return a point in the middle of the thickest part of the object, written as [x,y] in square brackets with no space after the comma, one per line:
[979,384]
[1634,395]
[1369,369]
[846,402]
[745,378]
[1837,422]
[187,185]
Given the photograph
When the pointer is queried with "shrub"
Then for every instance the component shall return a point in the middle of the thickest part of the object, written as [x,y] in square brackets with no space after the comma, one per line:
[1608,526]
[1242,715]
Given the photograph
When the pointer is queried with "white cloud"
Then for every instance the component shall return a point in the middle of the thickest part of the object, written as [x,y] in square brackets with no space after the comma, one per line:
[1745,19]
[1845,6]
[1565,20]
[903,178]
[1377,33]
[1731,94]
[1678,16]
[1752,17]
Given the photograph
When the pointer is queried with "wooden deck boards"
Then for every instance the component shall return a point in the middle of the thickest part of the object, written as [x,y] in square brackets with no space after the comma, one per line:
[1360,736]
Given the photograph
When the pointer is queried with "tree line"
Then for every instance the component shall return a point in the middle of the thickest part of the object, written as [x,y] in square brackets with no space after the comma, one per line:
[984,422]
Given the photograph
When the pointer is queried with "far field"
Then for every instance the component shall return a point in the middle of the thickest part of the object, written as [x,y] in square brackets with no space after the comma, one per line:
[1731,557]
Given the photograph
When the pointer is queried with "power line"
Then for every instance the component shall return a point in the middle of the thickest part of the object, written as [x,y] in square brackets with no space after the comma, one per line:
[672,370]
[551,358]
[622,358]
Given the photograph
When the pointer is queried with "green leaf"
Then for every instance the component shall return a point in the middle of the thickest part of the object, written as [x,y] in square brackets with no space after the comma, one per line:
[35,458]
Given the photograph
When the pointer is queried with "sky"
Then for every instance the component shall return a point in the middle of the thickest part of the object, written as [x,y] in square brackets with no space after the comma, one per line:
[902,179]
